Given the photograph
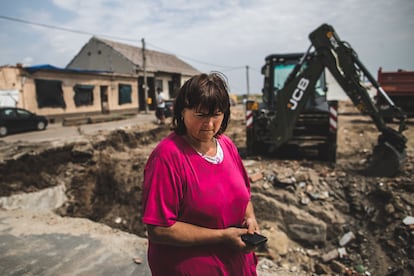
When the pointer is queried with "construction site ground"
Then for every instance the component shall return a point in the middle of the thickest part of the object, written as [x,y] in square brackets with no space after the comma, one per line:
[73,206]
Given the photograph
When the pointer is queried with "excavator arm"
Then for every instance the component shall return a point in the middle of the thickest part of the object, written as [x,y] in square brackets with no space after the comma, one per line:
[343,63]
[328,51]
[349,72]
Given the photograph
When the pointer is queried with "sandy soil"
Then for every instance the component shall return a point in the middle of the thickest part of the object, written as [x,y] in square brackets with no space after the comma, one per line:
[103,175]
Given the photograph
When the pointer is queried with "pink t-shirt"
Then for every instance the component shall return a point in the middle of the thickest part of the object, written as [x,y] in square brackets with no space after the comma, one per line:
[180,185]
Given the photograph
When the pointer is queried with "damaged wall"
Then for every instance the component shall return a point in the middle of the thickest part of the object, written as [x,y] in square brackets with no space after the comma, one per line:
[105,91]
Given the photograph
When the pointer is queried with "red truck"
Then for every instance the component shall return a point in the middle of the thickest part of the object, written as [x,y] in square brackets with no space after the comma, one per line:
[399,86]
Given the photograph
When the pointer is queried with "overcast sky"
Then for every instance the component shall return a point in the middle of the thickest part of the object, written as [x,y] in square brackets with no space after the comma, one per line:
[210,35]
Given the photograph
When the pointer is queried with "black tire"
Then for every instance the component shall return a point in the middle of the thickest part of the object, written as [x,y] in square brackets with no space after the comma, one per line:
[257,148]
[41,125]
[260,148]
[3,131]
[327,152]
[388,120]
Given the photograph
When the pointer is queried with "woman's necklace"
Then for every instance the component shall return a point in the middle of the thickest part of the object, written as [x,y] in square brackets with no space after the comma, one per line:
[213,154]
[203,149]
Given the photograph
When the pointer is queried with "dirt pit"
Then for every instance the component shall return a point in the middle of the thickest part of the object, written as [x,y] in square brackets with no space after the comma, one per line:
[322,219]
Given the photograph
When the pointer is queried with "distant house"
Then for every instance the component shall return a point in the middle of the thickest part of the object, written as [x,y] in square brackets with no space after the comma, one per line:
[104,77]
[60,93]
[162,70]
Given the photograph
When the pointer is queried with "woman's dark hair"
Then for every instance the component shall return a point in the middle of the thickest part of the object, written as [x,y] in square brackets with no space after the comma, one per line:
[202,92]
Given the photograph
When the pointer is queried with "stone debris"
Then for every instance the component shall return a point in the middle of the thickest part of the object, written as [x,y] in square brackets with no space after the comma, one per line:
[255,177]
[331,255]
[408,220]
[320,219]
[346,238]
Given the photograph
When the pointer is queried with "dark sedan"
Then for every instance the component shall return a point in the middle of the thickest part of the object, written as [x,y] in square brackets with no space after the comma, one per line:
[14,120]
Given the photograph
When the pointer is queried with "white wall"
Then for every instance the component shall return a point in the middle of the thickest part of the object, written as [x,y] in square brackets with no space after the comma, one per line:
[9,97]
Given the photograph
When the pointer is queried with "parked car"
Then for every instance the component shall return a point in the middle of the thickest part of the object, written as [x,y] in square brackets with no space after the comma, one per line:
[14,120]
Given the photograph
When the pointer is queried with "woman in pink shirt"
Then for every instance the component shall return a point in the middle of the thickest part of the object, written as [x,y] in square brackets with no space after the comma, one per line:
[196,192]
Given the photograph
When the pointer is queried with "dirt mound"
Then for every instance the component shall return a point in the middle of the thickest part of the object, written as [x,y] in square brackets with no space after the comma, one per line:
[326,219]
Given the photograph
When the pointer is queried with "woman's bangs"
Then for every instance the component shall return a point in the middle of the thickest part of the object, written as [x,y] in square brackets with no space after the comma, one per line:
[211,101]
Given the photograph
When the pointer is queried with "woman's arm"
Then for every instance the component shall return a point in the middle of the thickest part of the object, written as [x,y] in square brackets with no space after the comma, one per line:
[250,219]
[184,234]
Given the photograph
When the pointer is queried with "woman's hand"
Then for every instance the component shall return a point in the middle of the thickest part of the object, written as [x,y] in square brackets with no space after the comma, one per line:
[250,219]
[232,236]
[251,225]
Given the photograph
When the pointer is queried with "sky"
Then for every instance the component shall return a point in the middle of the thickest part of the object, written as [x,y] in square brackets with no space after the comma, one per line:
[232,36]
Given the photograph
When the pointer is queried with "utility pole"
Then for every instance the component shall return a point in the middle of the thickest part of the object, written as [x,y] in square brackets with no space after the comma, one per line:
[247,81]
[144,65]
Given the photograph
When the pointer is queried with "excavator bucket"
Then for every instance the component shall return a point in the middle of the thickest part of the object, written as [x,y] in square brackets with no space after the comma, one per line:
[386,160]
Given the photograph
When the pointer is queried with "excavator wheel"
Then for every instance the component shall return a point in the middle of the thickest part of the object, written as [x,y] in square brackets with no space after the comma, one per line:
[385,161]
[327,152]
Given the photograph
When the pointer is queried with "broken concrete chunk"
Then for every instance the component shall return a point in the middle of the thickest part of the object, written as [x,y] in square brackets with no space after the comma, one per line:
[285,176]
[331,255]
[313,233]
[266,186]
[338,267]
[301,185]
[82,150]
[342,252]
[408,220]
[346,238]
[304,200]
[248,163]
[312,252]
[256,177]
[319,195]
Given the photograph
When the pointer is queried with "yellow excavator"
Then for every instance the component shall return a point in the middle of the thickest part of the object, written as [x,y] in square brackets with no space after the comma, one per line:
[295,109]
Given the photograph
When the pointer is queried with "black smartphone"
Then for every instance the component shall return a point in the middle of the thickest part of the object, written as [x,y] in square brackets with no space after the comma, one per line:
[254,239]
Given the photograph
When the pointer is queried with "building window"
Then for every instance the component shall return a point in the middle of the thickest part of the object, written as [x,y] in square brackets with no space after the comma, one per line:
[83,94]
[125,91]
[49,93]
[158,84]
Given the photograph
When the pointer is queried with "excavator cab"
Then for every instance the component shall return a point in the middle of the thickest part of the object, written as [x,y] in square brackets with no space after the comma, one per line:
[277,69]
[279,127]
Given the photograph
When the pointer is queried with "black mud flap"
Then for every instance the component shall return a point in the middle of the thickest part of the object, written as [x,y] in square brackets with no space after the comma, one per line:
[386,161]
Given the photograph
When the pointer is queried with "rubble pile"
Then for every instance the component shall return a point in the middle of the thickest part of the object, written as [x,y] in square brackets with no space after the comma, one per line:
[334,221]
[319,219]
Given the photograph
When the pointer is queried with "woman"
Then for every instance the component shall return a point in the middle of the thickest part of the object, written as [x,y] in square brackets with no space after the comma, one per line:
[196,194]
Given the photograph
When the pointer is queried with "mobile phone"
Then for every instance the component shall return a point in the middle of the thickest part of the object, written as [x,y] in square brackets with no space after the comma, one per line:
[254,239]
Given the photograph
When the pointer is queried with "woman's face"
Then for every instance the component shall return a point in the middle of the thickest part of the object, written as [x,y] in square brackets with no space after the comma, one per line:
[200,125]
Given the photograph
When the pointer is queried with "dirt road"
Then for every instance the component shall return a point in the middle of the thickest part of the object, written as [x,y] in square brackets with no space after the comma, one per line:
[75,131]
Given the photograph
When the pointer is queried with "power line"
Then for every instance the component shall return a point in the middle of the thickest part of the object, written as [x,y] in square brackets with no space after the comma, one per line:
[223,67]
[230,68]
[62,28]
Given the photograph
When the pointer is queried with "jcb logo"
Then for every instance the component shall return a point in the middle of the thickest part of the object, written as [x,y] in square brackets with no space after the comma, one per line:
[298,93]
